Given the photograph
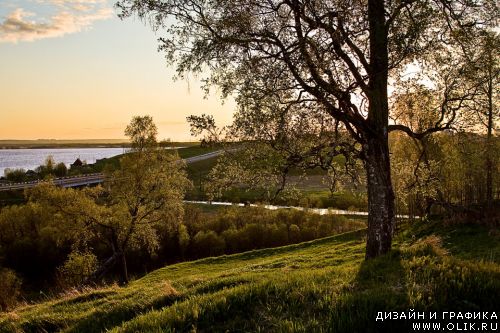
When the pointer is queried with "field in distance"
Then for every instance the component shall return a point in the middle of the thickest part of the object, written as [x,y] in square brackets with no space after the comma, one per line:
[89,143]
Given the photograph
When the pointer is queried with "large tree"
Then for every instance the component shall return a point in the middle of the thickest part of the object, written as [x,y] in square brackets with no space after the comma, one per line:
[332,58]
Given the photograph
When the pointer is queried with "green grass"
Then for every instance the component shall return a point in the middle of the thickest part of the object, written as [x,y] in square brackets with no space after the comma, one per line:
[200,169]
[467,241]
[319,286]
[114,161]
[195,151]
[186,152]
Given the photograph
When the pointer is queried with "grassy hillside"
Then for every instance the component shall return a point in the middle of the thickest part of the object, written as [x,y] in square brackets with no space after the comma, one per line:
[318,286]
[186,152]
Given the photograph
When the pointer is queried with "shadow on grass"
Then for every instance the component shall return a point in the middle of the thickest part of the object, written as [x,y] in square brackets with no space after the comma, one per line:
[102,319]
[91,296]
[380,285]
[106,319]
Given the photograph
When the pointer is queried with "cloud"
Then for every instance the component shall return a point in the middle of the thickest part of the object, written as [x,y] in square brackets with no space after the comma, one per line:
[79,5]
[70,17]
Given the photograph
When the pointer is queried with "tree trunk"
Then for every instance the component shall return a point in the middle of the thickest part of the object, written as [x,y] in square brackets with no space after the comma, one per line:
[380,198]
[489,142]
[103,270]
[376,147]
[123,260]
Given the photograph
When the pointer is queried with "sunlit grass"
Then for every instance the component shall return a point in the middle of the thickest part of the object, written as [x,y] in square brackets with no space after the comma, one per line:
[319,286]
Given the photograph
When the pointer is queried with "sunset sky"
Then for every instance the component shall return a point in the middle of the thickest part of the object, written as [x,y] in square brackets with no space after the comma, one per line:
[70,69]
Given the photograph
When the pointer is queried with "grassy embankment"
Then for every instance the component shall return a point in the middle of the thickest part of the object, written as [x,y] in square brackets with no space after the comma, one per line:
[186,152]
[317,286]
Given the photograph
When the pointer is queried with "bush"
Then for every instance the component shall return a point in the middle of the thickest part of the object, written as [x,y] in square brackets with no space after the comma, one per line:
[10,289]
[249,228]
[183,237]
[60,170]
[208,243]
[78,268]
[294,233]
[15,175]
[234,242]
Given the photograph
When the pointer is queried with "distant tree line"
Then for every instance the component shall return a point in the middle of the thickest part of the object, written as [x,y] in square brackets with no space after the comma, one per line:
[236,229]
[49,169]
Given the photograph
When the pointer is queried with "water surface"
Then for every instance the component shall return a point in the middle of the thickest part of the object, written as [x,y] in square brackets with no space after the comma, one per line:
[31,158]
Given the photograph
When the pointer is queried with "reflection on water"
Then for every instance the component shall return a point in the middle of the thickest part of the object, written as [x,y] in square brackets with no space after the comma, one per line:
[320,211]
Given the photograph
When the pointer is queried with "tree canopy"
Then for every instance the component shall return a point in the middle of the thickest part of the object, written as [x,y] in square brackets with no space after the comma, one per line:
[325,66]
[142,132]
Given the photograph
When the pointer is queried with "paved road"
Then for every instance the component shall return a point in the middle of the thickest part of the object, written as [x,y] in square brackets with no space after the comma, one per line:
[203,157]
[89,179]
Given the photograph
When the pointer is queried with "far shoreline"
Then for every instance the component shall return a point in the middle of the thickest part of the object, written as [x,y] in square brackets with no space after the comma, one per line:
[62,144]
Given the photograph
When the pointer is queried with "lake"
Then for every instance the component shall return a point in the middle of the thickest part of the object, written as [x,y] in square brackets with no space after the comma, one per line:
[31,158]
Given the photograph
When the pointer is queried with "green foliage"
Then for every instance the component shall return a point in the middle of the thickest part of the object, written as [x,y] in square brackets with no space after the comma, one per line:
[142,132]
[10,289]
[46,170]
[78,268]
[139,201]
[50,168]
[60,170]
[15,175]
[146,190]
[208,243]
[237,229]
[253,166]
[446,168]
[32,241]
[184,239]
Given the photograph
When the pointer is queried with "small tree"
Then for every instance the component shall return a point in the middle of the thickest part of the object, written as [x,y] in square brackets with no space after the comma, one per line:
[142,132]
[144,194]
[60,170]
[78,268]
[15,175]
[145,191]
[184,239]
